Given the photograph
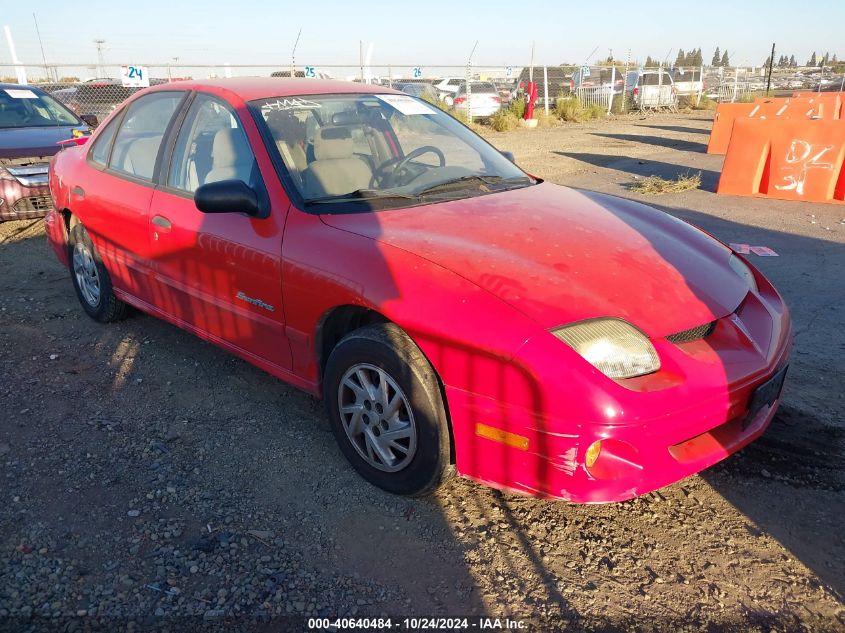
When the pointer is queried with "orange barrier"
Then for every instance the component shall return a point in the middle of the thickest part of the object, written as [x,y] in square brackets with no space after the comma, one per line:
[789,159]
[768,108]
[821,95]
[836,100]
[723,121]
[827,106]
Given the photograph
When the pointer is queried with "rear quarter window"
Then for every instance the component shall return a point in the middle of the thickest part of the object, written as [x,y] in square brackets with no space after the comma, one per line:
[102,145]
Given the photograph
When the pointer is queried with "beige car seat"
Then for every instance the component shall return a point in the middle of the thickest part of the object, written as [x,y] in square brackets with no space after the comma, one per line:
[231,157]
[336,170]
[140,156]
[289,134]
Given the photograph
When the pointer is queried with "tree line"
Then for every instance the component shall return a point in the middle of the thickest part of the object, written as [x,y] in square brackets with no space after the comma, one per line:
[720,58]
[694,57]
[825,60]
[790,62]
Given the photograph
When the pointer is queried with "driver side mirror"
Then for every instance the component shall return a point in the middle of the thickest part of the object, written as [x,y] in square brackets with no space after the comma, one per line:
[508,155]
[228,196]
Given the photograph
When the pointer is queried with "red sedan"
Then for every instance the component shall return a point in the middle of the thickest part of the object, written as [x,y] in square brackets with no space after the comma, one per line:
[455,313]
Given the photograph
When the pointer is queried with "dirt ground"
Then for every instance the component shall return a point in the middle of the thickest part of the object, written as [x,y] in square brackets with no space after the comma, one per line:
[148,479]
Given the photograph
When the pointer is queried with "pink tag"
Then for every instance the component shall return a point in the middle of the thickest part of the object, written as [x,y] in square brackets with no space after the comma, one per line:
[763,251]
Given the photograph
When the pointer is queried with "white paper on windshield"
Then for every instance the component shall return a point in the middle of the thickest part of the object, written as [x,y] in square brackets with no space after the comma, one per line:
[407,105]
[17,93]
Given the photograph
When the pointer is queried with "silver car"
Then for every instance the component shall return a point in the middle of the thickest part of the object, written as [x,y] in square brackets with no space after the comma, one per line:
[651,88]
[484,98]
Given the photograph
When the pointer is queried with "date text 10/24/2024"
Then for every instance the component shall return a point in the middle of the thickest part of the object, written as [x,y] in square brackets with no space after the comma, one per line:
[416,624]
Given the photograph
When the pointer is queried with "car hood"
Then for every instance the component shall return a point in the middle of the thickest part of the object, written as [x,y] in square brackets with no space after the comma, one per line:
[34,141]
[561,255]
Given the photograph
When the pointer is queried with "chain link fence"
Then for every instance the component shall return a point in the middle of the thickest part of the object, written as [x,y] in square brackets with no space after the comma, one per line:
[468,89]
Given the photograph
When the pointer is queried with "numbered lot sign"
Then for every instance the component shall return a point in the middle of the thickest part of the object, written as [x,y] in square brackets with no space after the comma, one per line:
[134,76]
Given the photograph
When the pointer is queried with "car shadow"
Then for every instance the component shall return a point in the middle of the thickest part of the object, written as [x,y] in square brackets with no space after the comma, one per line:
[659,141]
[790,481]
[680,128]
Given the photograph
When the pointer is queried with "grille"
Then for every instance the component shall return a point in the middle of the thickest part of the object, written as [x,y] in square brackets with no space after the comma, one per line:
[33,203]
[693,334]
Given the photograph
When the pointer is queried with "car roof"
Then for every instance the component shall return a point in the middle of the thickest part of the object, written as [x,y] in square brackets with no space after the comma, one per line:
[8,86]
[251,88]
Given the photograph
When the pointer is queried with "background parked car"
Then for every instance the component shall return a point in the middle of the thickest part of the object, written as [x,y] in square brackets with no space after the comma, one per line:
[651,88]
[97,98]
[418,89]
[596,76]
[485,99]
[319,74]
[688,81]
[64,92]
[558,81]
[505,89]
[31,125]
[447,87]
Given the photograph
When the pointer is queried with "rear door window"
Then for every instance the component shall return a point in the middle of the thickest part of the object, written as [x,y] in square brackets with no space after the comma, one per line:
[212,146]
[137,143]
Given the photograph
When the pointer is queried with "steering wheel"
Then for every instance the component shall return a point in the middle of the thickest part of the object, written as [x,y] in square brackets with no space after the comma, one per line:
[399,171]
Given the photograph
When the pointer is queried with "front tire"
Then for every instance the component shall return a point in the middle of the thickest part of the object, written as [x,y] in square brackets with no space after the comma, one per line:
[386,412]
[91,280]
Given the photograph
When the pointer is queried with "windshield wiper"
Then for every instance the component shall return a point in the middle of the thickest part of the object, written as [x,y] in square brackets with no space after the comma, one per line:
[454,184]
[361,195]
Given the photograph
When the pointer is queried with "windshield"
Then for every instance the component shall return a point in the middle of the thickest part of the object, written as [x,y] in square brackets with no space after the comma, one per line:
[355,152]
[23,107]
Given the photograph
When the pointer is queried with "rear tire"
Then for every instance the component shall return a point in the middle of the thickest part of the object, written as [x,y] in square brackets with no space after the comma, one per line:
[91,280]
[386,412]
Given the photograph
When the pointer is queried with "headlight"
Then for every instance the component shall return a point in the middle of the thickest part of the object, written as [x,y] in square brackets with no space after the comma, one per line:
[742,269]
[616,348]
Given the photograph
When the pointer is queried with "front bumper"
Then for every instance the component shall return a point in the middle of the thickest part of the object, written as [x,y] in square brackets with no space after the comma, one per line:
[479,112]
[20,202]
[655,430]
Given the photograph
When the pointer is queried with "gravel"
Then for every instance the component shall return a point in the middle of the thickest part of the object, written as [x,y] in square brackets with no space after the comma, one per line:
[146,475]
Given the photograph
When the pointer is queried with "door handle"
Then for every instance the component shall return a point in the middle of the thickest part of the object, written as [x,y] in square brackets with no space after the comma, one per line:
[162,222]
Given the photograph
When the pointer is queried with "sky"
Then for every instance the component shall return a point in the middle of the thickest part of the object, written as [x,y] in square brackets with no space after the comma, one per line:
[416,33]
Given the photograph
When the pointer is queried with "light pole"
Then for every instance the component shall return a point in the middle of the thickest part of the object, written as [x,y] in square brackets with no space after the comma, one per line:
[100,62]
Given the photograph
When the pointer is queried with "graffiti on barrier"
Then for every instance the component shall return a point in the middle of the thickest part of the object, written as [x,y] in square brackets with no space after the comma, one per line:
[800,159]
